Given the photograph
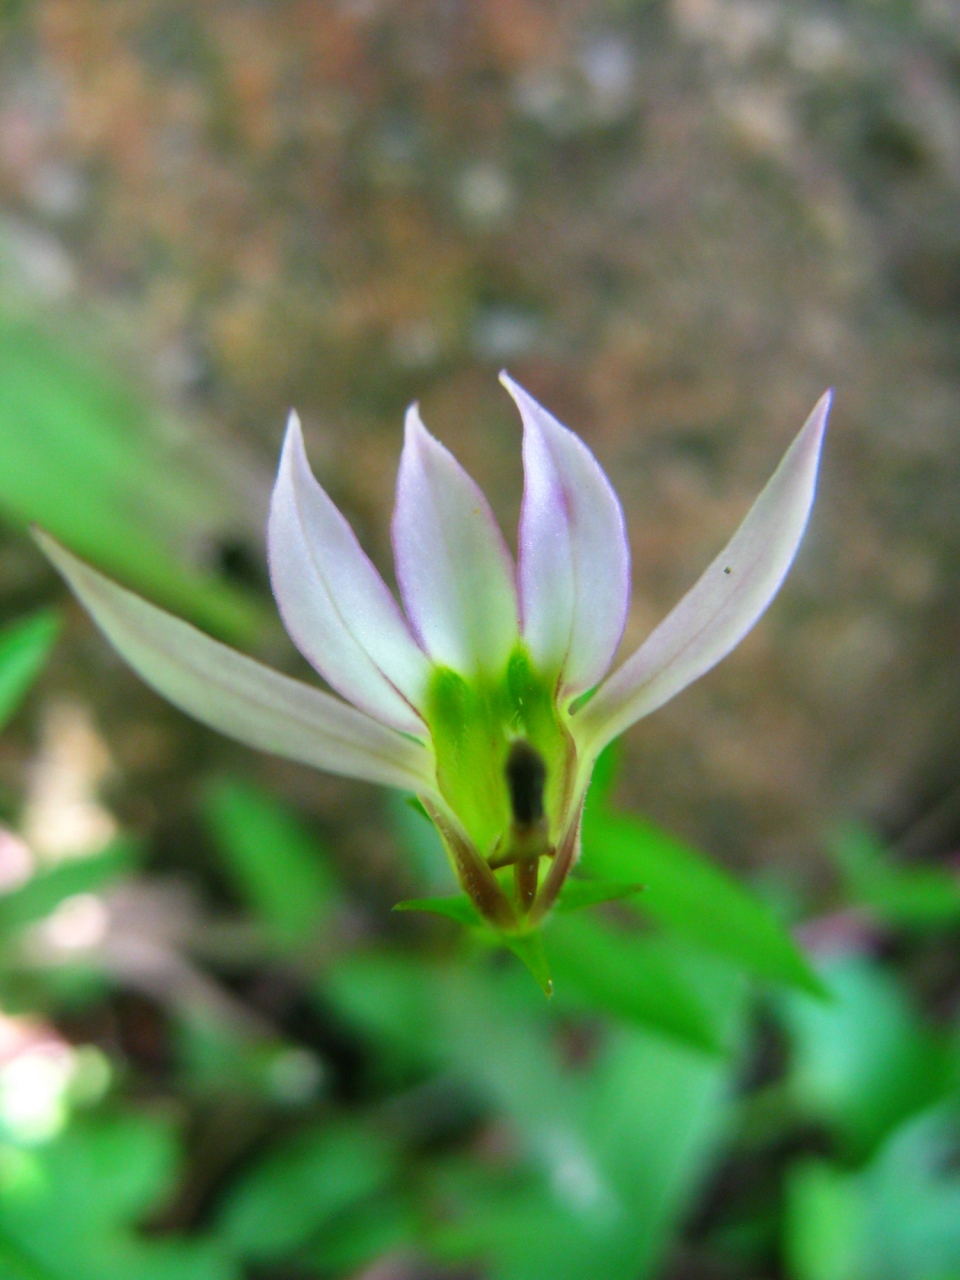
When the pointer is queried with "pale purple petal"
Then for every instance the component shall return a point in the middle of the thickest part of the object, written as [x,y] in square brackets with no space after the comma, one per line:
[333,601]
[239,697]
[574,567]
[455,573]
[715,615]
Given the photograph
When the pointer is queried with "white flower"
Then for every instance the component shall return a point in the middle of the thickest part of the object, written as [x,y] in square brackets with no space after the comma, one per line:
[477,696]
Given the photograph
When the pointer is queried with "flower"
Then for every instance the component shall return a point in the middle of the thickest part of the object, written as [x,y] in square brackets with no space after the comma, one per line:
[488,695]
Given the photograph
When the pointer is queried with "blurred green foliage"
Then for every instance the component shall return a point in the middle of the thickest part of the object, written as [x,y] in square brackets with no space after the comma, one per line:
[906,897]
[85,458]
[68,1211]
[279,870]
[544,1140]
[24,648]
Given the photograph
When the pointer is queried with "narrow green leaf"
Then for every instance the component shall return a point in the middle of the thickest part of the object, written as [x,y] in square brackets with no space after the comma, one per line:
[609,1154]
[865,1060]
[635,977]
[24,647]
[72,1212]
[387,997]
[458,908]
[694,898]
[826,1223]
[416,804]
[15,1265]
[605,773]
[577,893]
[370,1230]
[898,1216]
[303,1185]
[903,895]
[280,869]
[40,895]
[87,458]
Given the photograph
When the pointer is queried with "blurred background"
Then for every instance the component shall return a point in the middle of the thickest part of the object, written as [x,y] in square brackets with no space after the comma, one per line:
[675,222]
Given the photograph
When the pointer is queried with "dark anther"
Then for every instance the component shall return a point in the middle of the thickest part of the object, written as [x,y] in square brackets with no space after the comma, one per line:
[526,776]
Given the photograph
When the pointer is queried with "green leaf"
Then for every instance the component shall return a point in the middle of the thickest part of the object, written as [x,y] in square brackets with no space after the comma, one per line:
[863,1061]
[635,977]
[25,646]
[280,869]
[898,1217]
[416,804]
[388,997]
[605,773]
[577,893]
[302,1185]
[458,907]
[14,1265]
[220,1058]
[421,845]
[693,898]
[611,1152]
[527,947]
[825,1223]
[41,894]
[69,1208]
[89,460]
[905,896]
[386,1224]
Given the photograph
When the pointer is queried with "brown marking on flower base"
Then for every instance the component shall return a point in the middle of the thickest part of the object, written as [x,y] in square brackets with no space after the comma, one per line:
[568,851]
[476,878]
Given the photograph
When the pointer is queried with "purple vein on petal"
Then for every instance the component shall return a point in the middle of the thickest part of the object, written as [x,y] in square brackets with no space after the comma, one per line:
[574,568]
[333,602]
[455,573]
[240,697]
[719,610]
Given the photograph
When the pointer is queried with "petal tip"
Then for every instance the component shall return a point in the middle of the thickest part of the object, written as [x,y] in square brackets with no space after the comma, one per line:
[709,622]
[413,424]
[812,433]
[821,412]
[64,561]
[41,537]
[520,396]
[293,445]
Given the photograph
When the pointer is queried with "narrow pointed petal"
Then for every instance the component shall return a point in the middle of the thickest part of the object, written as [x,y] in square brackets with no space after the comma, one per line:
[574,565]
[455,573]
[715,615]
[237,696]
[333,601]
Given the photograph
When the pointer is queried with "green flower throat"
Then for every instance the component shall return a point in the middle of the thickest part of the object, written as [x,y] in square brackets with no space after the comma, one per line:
[505,760]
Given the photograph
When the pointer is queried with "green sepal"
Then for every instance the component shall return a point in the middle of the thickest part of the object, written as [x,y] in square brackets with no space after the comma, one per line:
[416,804]
[587,893]
[528,948]
[458,907]
[606,770]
